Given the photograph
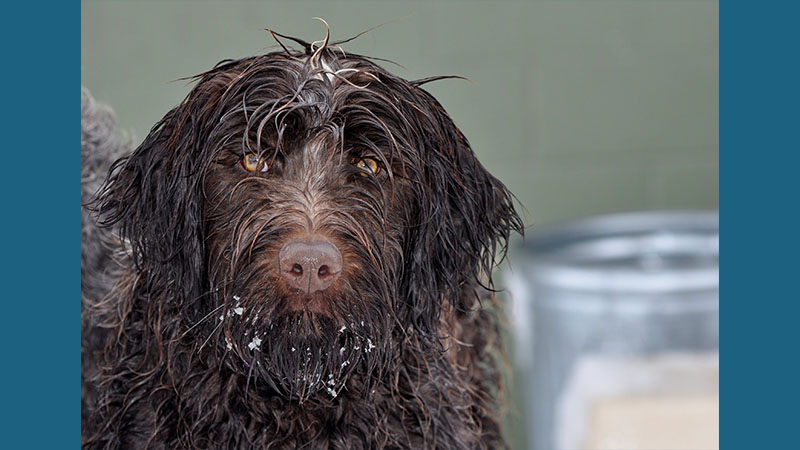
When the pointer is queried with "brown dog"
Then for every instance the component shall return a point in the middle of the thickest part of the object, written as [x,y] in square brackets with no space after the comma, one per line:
[301,244]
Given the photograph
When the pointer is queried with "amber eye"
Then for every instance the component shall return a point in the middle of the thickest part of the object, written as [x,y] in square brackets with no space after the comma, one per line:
[368,165]
[251,162]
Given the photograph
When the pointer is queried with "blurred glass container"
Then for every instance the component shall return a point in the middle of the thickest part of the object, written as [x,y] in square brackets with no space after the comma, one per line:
[631,286]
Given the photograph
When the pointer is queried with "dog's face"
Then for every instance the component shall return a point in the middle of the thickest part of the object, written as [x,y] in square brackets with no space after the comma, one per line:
[309,213]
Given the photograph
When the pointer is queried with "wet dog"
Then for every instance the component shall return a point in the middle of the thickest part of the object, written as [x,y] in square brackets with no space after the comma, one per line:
[298,255]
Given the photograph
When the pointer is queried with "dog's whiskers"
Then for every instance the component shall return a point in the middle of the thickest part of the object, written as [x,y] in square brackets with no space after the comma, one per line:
[206,317]
[210,335]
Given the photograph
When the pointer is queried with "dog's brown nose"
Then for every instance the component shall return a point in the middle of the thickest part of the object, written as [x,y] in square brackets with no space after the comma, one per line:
[310,264]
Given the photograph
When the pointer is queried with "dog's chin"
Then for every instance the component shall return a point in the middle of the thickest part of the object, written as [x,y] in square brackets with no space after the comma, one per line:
[304,354]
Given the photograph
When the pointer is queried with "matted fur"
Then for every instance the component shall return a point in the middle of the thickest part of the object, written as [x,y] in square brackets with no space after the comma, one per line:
[191,340]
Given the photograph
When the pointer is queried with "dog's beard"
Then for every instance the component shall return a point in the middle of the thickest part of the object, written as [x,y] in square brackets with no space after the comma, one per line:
[301,354]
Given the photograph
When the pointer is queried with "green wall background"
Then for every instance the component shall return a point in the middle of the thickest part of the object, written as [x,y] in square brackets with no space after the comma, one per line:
[580,107]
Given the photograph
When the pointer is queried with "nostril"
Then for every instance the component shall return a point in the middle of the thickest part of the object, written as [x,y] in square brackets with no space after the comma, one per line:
[323,271]
[297,269]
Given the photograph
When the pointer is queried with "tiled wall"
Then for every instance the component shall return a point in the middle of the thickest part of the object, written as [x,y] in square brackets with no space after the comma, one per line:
[581,107]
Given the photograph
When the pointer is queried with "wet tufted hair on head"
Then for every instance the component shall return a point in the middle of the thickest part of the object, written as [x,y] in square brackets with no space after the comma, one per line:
[298,255]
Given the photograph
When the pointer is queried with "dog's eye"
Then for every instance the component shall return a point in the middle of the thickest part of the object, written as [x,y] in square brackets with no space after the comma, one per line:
[252,162]
[368,165]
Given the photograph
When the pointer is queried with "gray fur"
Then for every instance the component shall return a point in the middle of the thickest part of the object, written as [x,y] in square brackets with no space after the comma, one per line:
[101,145]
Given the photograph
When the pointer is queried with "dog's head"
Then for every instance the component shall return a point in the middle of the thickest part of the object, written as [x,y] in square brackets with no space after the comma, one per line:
[303,212]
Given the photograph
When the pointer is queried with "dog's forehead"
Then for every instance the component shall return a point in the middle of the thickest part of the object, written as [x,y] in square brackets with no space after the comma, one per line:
[305,96]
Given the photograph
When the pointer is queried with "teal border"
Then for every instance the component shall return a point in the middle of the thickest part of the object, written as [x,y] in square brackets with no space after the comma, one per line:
[759,225]
[41,225]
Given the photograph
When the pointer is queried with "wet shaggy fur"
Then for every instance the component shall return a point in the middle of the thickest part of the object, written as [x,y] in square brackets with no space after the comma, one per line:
[191,338]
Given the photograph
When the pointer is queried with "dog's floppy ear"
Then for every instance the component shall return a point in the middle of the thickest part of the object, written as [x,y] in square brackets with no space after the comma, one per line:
[465,218]
[154,197]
